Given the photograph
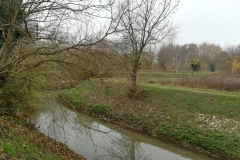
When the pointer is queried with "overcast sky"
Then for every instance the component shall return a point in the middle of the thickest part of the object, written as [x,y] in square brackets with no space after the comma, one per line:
[212,21]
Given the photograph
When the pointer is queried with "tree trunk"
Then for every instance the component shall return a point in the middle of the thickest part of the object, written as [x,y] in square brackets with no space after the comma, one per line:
[6,48]
[133,88]
[134,82]
[8,44]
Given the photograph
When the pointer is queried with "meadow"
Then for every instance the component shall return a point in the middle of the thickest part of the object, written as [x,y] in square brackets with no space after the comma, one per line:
[193,115]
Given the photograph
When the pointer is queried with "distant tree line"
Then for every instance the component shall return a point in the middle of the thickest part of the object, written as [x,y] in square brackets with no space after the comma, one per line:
[206,56]
[174,57]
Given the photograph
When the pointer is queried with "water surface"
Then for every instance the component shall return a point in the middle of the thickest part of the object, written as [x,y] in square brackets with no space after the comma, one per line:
[98,140]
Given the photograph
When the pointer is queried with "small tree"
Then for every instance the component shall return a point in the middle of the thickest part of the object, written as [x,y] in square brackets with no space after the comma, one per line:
[236,66]
[195,64]
[212,66]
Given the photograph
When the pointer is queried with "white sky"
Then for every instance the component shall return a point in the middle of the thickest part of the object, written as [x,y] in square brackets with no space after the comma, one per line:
[212,21]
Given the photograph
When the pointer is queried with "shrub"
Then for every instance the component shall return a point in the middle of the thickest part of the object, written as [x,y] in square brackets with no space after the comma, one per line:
[195,64]
[100,109]
[16,97]
[236,67]
[212,67]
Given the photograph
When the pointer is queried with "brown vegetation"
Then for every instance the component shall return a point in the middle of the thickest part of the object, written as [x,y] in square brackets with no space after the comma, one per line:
[222,83]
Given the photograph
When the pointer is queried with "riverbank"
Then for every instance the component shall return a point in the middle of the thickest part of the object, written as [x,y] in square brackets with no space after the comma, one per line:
[198,120]
[18,141]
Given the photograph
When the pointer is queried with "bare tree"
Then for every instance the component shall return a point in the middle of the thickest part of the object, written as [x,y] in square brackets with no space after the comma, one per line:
[144,22]
[163,57]
[48,34]
[208,54]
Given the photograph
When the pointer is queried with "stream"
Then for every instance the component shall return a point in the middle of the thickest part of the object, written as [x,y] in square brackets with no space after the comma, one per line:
[98,140]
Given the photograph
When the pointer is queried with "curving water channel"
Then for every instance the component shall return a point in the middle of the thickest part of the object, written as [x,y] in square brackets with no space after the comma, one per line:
[98,140]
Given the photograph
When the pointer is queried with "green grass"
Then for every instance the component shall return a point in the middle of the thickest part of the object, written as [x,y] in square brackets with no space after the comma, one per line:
[197,90]
[162,75]
[18,149]
[74,97]
[227,146]
[184,115]
[16,143]
[160,78]
[225,104]
[170,75]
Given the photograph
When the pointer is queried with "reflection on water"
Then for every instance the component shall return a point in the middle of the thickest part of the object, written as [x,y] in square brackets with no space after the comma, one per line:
[97,140]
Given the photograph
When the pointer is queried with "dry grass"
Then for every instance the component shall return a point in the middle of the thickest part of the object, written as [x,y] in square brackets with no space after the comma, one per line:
[222,83]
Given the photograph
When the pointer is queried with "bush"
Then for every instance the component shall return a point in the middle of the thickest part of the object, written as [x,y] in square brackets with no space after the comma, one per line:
[100,109]
[195,64]
[16,97]
[212,67]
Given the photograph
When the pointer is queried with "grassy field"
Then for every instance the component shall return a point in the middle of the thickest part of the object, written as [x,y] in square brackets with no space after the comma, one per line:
[204,119]
[170,75]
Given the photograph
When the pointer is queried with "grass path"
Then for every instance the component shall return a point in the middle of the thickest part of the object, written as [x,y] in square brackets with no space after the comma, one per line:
[195,90]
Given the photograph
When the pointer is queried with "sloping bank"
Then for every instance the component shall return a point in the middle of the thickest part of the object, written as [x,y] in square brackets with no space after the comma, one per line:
[206,122]
[18,141]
